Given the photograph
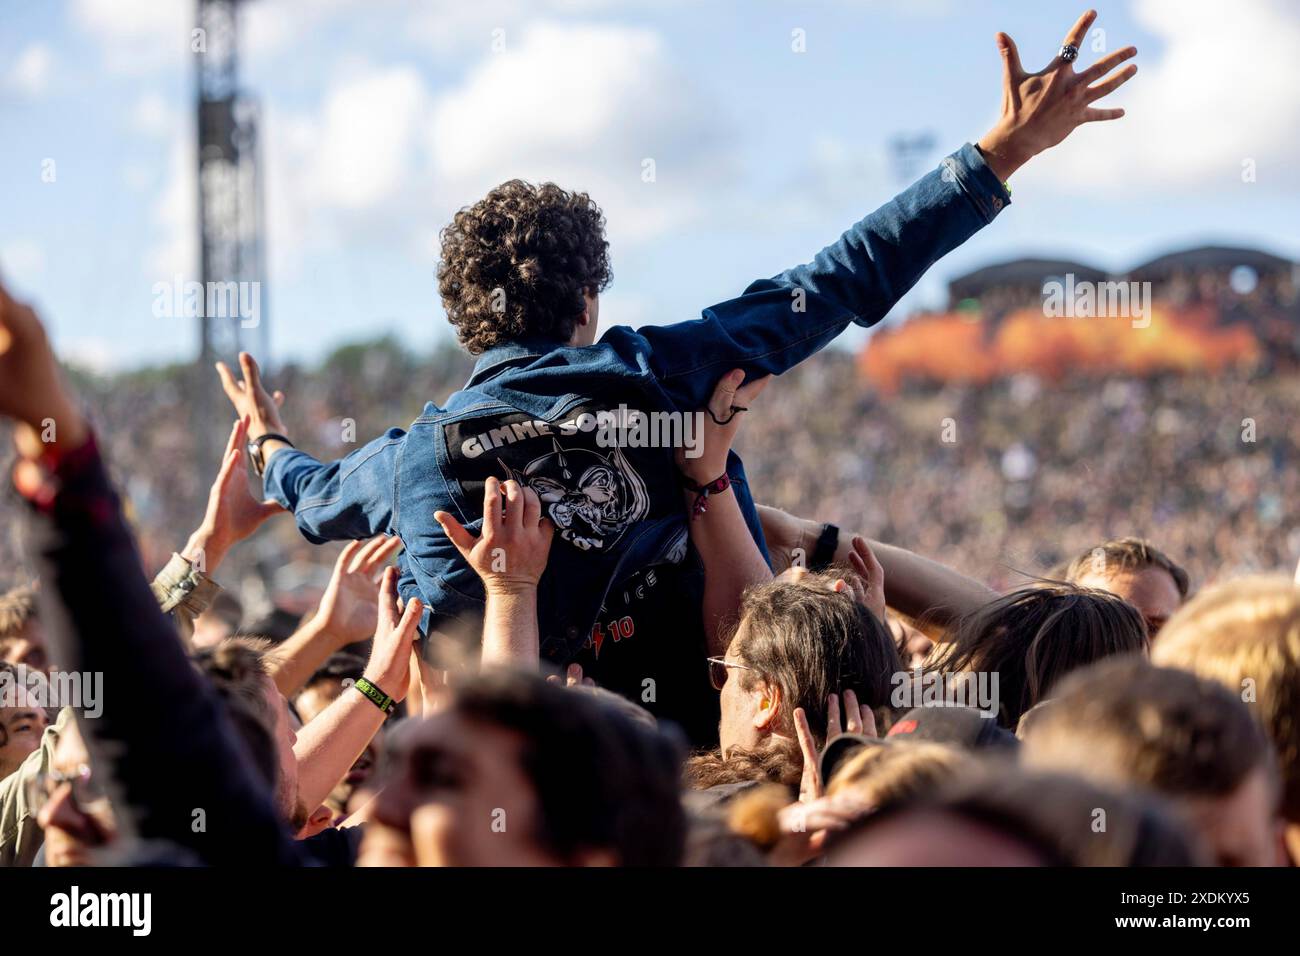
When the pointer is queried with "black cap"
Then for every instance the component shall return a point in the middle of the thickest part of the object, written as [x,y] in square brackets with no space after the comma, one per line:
[959,726]
[840,748]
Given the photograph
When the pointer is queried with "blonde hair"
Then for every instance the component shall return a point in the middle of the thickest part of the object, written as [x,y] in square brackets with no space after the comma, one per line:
[1245,634]
[899,770]
[879,775]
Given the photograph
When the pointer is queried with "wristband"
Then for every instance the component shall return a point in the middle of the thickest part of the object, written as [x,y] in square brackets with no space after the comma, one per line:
[824,550]
[702,492]
[255,450]
[375,695]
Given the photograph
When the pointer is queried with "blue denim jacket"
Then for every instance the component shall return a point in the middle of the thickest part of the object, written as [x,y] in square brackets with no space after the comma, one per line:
[530,411]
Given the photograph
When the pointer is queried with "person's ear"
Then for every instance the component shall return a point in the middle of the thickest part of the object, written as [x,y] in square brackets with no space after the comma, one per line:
[767,706]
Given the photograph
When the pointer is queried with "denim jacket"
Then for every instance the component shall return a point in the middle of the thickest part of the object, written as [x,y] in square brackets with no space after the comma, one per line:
[532,411]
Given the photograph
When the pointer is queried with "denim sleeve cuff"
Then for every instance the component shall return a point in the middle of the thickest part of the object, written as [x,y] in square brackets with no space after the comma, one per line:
[181,585]
[968,169]
[271,481]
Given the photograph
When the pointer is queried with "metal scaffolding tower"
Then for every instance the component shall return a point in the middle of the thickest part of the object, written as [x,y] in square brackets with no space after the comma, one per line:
[230,214]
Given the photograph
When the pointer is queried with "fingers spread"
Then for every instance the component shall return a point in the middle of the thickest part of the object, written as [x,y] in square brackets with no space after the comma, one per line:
[852,713]
[833,726]
[228,384]
[252,374]
[868,721]
[802,730]
[235,440]
[1110,86]
[1080,28]
[1010,57]
[348,555]
[1106,64]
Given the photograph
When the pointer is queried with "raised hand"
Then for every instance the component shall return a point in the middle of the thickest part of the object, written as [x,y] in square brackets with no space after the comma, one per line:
[389,667]
[1041,109]
[251,399]
[234,512]
[721,419]
[868,580]
[32,392]
[858,719]
[348,608]
[510,555]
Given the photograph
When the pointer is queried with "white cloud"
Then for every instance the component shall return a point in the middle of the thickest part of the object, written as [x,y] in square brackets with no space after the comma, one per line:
[137,36]
[585,106]
[151,115]
[22,258]
[31,71]
[366,138]
[1222,91]
[174,215]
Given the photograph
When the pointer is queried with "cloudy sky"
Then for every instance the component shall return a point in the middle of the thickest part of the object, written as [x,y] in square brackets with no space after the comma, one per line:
[381,117]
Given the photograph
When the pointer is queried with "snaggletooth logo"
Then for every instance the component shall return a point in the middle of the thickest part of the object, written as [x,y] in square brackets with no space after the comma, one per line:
[75,909]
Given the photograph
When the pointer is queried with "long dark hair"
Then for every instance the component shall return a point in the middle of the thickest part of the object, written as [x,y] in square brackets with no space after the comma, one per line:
[810,642]
[813,642]
[1033,637]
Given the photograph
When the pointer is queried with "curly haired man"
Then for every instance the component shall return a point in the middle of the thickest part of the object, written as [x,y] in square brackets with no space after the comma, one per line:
[520,276]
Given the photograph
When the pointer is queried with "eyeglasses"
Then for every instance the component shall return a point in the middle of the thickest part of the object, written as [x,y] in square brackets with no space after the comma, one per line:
[718,670]
[87,795]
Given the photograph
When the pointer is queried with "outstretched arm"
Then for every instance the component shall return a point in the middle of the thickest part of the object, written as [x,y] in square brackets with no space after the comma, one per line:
[331,743]
[346,614]
[101,616]
[779,322]
[933,594]
[346,499]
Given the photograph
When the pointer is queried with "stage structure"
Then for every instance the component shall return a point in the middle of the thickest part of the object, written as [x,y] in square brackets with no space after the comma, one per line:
[231,253]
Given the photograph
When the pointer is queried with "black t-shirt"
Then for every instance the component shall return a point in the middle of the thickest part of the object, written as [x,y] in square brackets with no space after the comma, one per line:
[648,645]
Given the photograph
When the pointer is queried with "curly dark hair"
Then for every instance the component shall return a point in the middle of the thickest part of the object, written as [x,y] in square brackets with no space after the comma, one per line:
[518,261]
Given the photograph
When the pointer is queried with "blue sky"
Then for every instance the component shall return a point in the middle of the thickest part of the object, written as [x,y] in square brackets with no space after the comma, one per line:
[381,117]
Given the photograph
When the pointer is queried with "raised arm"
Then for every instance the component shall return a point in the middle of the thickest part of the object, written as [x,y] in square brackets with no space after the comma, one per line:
[185,587]
[331,501]
[331,743]
[346,613]
[732,561]
[510,557]
[933,594]
[777,323]
[162,740]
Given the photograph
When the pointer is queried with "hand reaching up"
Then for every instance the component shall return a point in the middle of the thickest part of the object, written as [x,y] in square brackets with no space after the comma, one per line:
[1041,109]
[510,553]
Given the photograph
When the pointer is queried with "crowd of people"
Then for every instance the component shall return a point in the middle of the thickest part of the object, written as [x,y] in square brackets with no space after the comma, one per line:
[552,640]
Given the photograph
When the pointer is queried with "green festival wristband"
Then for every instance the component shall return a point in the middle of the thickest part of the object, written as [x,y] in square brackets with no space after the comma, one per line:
[375,695]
